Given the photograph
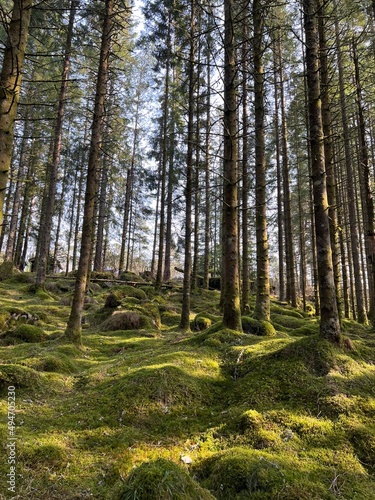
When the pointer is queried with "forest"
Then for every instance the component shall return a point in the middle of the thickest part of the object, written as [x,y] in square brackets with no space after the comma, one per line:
[187,249]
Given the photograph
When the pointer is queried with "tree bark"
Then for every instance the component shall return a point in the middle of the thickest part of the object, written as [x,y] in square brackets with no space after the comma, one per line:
[52,170]
[230,266]
[185,312]
[73,329]
[361,310]
[329,318]
[262,306]
[10,84]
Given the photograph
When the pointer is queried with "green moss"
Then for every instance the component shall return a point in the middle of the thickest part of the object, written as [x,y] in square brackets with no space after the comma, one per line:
[241,473]
[126,320]
[58,364]
[317,354]
[288,321]
[161,479]
[276,309]
[51,456]
[170,318]
[132,277]
[19,376]
[262,328]
[251,419]
[29,333]
[201,322]
[309,329]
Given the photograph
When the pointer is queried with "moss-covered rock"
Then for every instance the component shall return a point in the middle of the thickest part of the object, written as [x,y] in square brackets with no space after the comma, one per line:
[19,376]
[262,328]
[58,364]
[113,300]
[240,473]
[316,353]
[132,277]
[161,479]
[126,320]
[201,322]
[29,333]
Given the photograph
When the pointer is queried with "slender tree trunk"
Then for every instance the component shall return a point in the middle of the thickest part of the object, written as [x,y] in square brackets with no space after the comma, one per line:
[73,329]
[291,294]
[361,310]
[185,312]
[52,170]
[102,215]
[367,198]
[280,218]
[329,157]
[329,318]
[129,186]
[245,305]
[153,258]
[10,84]
[207,179]
[262,307]
[163,174]
[230,266]
[17,195]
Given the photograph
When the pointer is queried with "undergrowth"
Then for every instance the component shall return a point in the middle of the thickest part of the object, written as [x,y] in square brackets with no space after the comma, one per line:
[146,411]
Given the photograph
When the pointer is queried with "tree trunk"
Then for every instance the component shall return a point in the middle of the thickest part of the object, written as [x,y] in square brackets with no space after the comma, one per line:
[185,312]
[329,158]
[230,267]
[10,84]
[52,170]
[291,294]
[361,310]
[245,305]
[367,197]
[262,306]
[73,329]
[329,318]
[163,173]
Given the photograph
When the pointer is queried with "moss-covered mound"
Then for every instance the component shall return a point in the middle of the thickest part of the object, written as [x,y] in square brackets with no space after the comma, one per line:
[126,320]
[161,479]
[19,376]
[288,321]
[132,277]
[24,333]
[241,473]
[263,328]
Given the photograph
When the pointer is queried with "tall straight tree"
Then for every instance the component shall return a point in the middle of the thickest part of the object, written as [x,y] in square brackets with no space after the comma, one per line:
[230,299]
[262,306]
[185,312]
[10,84]
[52,169]
[329,317]
[354,236]
[73,329]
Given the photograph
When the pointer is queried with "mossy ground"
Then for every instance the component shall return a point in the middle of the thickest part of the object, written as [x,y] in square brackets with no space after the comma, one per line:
[287,416]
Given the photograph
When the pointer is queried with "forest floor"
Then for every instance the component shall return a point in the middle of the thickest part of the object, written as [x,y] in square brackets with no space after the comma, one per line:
[152,413]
